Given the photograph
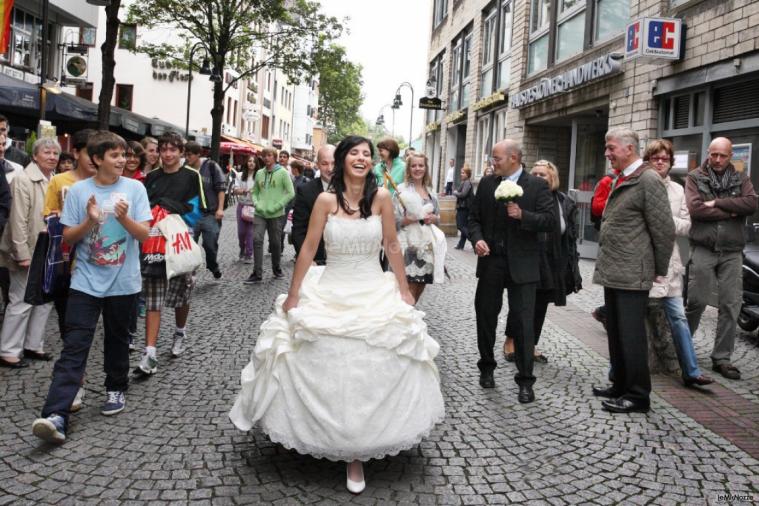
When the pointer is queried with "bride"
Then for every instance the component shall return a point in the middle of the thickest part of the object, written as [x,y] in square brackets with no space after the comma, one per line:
[343,368]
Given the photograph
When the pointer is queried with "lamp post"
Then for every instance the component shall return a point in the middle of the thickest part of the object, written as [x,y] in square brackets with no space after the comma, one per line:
[397,102]
[381,117]
[205,70]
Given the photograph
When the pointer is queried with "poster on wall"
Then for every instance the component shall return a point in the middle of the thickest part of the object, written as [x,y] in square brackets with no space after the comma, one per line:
[742,158]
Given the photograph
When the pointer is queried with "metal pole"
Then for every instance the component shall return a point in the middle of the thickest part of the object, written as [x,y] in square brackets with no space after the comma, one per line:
[411,118]
[43,58]
[189,91]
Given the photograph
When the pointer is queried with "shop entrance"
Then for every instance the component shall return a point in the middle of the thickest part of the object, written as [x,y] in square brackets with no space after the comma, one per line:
[576,145]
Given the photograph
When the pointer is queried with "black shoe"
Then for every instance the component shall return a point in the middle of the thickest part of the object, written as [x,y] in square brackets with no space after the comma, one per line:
[13,365]
[510,357]
[698,380]
[607,392]
[624,406]
[279,274]
[252,280]
[216,274]
[486,380]
[38,355]
[727,370]
[526,395]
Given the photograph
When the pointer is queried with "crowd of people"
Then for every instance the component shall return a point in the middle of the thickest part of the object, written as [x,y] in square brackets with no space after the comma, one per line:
[365,236]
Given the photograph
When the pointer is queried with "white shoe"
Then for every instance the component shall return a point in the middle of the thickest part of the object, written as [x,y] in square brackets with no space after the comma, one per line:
[148,365]
[354,487]
[177,348]
[77,404]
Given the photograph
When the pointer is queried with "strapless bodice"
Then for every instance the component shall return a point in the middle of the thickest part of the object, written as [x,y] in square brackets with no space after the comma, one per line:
[353,245]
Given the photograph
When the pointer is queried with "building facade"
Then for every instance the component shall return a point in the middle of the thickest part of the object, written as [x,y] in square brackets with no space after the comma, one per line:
[554,75]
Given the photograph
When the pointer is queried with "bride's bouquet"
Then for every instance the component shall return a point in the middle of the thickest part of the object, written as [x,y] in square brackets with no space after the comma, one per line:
[508,191]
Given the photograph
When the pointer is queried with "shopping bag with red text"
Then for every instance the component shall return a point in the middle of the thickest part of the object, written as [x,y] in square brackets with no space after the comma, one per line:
[183,255]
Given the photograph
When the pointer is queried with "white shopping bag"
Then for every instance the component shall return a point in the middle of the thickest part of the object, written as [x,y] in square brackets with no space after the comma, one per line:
[183,255]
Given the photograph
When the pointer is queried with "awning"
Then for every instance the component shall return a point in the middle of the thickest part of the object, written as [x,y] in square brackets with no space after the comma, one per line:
[18,94]
[235,148]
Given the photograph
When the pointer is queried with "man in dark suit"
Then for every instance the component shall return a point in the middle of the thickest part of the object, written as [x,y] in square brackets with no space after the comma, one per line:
[305,196]
[505,238]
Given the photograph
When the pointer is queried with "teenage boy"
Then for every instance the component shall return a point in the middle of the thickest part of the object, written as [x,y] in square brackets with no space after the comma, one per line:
[55,196]
[272,190]
[214,186]
[105,216]
[172,186]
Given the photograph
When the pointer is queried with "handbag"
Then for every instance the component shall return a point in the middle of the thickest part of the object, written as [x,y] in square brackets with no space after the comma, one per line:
[183,255]
[34,294]
[248,213]
[57,276]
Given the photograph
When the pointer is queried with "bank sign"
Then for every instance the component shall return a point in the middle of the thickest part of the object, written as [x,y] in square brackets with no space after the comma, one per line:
[586,73]
[654,38]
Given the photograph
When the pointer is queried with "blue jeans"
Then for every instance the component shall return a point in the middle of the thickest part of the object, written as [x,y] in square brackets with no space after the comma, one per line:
[208,227]
[678,324]
[82,314]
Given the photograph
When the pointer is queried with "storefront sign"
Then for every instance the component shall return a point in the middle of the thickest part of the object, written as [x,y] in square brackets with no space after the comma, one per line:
[594,70]
[654,38]
[168,71]
[432,127]
[433,103]
[495,98]
[455,116]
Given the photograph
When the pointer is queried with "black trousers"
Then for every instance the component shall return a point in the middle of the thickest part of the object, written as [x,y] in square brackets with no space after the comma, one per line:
[628,343]
[541,308]
[488,300]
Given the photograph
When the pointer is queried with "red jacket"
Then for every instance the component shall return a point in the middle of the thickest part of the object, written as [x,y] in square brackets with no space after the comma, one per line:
[601,195]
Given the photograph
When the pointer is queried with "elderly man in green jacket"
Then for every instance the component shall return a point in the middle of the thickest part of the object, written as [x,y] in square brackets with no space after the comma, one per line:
[272,190]
[637,238]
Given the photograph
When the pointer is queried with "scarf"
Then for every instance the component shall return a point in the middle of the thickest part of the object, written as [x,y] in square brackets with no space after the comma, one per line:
[719,182]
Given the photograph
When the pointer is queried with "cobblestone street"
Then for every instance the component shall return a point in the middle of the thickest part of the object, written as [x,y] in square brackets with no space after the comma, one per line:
[174,441]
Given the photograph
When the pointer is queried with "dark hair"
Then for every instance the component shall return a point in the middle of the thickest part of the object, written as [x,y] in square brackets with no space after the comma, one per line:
[102,141]
[3,119]
[259,163]
[390,145]
[283,152]
[309,173]
[338,184]
[80,138]
[136,148]
[193,147]
[171,138]
[65,156]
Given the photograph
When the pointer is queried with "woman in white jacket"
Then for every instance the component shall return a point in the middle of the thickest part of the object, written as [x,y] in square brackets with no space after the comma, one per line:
[670,290]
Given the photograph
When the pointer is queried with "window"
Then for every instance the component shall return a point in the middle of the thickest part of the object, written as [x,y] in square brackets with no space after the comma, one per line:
[229,107]
[482,146]
[439,12]
[460,65]
[234,114]
[496,49]
[124,93]
[573,30]
[127,36]
[264,127]
[84,91]
[436,77]
[25,41]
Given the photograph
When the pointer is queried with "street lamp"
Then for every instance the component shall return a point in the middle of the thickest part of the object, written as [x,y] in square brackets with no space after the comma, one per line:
[397,102]
[205,69]
[381,117]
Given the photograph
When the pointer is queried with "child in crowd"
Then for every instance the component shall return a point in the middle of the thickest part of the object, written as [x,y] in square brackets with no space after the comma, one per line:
[105,216]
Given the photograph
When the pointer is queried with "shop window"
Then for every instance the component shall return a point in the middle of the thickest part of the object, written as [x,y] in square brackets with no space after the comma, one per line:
[736,102]
[124,94]
[571,30]
[439,12]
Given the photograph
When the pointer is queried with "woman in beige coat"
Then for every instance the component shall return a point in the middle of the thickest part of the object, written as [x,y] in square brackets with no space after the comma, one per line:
[24,325]
[660,155]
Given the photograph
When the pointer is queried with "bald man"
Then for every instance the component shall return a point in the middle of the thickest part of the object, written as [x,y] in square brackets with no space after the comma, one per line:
[505,238]
[305,196]
[719,199]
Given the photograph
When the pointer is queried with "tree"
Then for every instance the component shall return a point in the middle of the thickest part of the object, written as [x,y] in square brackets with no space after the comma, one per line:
[245,35]
[339,92]
[109,63]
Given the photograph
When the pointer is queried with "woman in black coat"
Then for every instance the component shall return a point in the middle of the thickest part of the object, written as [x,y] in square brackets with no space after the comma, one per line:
[464,196]
[559,268]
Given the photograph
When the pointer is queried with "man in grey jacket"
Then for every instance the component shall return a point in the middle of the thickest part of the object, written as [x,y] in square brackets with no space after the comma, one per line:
[637,237]
[719,198]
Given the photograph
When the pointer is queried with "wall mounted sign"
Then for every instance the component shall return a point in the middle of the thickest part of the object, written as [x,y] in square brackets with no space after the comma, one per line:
[433,103]
[654,39]
[432,127]
[75,66]
[455,116]
[494,99]
[594,70]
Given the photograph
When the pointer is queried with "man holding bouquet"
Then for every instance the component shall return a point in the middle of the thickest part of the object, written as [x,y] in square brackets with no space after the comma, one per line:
[509,210]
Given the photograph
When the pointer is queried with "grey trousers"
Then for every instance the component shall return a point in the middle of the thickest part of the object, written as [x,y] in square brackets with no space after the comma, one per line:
[725,268]
[273,227]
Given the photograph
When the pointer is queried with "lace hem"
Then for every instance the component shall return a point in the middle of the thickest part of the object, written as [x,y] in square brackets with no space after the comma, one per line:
[348,455]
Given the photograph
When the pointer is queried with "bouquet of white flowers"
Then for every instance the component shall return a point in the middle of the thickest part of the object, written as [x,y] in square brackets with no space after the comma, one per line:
[507,191]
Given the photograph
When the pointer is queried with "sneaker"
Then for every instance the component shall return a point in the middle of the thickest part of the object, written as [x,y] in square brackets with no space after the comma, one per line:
[177,348]
[253,279]
[279,274]
[77,404]
[141,310]
[51,429]
[247,260]
[148,365]
[132,346]
[216,274]
[114,403]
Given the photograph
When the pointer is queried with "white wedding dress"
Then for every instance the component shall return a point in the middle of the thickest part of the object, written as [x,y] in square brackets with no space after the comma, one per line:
[349,373]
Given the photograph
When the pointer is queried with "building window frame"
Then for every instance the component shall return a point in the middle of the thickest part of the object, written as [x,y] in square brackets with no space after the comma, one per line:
[482,139]
[439,12]
[461,66]
[436,76]
[125,96]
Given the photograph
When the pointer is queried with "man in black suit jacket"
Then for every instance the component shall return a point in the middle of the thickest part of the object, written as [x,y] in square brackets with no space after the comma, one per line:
[505,238]
[306,195]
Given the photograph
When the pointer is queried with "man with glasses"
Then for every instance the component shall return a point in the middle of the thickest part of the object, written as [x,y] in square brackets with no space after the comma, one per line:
[719,199]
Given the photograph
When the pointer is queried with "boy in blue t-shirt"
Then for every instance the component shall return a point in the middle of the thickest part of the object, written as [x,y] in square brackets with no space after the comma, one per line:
[105,216]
